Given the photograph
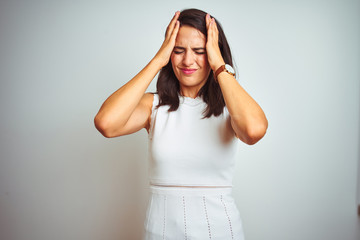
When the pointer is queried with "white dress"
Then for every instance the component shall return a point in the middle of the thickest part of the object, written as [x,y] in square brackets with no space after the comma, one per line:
[186,149]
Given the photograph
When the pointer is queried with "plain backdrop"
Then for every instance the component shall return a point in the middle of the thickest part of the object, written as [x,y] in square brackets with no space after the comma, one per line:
[60,179]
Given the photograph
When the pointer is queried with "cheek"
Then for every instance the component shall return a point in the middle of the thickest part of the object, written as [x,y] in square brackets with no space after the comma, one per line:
[174,60]
[203,61]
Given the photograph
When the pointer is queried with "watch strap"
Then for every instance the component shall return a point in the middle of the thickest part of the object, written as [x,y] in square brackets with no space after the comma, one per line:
[221,69]
[218,71]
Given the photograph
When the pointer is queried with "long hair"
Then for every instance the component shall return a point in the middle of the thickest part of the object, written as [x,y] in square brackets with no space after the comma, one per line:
[168,87]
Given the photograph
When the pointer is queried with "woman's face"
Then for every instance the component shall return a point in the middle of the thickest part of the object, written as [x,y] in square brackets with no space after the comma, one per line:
[189,58]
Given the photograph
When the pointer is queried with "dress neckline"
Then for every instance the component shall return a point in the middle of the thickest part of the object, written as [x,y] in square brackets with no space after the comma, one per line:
[190,101]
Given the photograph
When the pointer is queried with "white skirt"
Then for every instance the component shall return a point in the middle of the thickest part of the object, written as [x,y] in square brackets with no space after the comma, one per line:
[192,214]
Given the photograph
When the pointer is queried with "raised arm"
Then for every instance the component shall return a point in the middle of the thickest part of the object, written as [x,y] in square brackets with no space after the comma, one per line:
[247,118]
[128,109]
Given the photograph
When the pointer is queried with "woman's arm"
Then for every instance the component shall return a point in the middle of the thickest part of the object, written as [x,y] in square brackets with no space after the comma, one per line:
[247,118]
[128,109]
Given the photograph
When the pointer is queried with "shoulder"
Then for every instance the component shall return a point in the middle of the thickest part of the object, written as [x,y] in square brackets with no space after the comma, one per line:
[147,100]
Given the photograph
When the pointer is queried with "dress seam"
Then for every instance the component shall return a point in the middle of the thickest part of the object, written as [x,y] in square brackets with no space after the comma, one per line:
[207,217]
[164,220]
[185,233]
[228,217]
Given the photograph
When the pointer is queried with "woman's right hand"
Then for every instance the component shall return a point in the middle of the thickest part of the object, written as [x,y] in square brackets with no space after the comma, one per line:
[128,109]
[164,53]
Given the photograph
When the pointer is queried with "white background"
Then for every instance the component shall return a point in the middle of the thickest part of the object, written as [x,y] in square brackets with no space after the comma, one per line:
[59,60]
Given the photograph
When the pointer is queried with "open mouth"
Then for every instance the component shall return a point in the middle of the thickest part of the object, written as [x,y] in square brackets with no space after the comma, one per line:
[188,71]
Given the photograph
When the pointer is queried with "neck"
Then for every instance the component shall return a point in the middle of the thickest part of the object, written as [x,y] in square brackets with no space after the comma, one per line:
[192,93]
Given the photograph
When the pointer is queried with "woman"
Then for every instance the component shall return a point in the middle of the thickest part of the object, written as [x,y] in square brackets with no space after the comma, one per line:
[193,121]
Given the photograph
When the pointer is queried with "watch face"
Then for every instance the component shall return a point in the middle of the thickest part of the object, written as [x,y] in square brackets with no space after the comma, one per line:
[229,68]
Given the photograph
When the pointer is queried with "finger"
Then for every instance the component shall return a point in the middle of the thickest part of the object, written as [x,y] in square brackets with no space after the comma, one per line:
[207,20]
[215,26]
[211,28]
[170,26]
[214,30]
[172,23]
[175,31]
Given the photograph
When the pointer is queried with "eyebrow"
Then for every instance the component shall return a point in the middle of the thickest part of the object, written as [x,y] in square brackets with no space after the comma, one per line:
[195,49]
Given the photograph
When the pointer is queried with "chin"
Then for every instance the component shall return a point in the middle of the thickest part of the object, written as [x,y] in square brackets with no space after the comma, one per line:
[188,82]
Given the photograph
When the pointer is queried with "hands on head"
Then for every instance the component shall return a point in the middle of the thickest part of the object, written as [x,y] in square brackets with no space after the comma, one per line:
[168,45]
[215,58]
[212,44]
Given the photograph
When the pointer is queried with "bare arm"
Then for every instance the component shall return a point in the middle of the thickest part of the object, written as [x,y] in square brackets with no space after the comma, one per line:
[128,109]
[247,118]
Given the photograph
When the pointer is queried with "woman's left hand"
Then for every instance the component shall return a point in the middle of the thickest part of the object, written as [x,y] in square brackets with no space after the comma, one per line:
[212,45]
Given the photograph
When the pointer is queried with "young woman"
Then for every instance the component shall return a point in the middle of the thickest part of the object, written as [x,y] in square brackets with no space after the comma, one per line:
[194,122]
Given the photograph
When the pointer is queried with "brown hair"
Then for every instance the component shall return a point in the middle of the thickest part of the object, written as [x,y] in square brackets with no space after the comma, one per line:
[168,87]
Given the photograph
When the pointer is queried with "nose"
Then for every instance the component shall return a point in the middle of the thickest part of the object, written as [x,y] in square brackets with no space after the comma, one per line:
[188,59]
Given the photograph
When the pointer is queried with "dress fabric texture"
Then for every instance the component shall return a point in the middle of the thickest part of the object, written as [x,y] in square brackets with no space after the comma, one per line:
[186,149]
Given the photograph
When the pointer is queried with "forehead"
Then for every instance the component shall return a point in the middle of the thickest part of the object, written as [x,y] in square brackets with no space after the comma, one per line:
[189,36]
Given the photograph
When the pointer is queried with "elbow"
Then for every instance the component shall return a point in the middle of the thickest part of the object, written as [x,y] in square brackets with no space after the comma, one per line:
[103,127]
[253,138]
[255,133]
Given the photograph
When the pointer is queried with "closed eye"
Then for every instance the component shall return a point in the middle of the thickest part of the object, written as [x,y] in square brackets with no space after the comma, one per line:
[178,52]
[197,50]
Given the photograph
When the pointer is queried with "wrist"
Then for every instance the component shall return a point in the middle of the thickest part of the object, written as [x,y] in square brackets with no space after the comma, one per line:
[224,68]
[157,63]
[217,65]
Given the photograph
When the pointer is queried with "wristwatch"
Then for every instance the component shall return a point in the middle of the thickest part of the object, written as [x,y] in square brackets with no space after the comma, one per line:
[227,68]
